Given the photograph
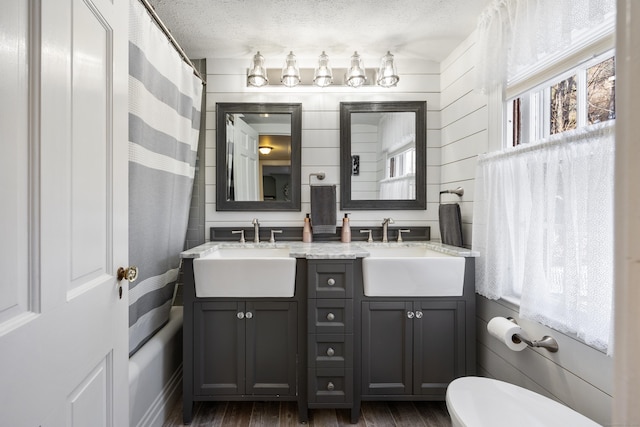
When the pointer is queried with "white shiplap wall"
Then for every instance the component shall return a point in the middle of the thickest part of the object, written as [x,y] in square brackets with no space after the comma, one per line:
[577,375]
[419,81]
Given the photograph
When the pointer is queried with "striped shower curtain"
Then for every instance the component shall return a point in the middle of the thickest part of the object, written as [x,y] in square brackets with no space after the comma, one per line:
[164,121]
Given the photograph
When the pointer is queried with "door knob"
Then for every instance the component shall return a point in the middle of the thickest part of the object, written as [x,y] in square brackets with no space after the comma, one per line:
[129,273]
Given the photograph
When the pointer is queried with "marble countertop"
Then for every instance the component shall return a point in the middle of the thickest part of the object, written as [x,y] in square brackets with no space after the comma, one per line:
[327,250]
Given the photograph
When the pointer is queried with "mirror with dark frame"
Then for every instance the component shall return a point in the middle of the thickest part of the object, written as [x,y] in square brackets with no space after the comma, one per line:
[258,156]
[383,155]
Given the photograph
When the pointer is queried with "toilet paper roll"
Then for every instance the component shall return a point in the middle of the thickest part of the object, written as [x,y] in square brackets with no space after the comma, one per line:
[503,329]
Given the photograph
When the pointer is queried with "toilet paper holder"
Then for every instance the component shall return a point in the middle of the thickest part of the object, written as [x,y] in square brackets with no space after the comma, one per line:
[547,342]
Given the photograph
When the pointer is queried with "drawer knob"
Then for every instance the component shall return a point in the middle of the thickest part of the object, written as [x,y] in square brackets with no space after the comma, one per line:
[240,315]
[331,317]
[410,314]
[419,314]
[331,282]
[331,386]
[330,352]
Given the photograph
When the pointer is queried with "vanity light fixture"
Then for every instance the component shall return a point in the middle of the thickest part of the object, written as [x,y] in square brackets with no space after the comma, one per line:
[257,74]
[356,75]
[387,74]
[264,149]
[322,76]
[290,71]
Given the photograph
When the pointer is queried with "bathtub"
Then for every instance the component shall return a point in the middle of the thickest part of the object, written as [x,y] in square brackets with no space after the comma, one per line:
[155,375]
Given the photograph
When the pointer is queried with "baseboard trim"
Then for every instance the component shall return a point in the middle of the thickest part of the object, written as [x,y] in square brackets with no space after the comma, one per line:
[158,412]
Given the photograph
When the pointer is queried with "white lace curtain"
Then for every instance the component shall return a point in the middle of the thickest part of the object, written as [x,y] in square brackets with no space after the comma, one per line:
[396,130]
[512,35]
[398,188]
[543,222]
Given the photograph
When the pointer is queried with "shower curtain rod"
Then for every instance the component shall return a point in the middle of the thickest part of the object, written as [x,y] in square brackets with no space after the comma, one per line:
[173,41]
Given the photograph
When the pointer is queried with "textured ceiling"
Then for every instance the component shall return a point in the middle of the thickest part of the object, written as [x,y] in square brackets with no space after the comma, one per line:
[426,29]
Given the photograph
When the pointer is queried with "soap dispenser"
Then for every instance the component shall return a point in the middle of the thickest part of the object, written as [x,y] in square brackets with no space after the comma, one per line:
[346,229]
[307,237]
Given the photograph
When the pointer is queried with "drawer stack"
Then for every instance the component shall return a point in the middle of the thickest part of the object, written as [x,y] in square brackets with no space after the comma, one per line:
[330,334]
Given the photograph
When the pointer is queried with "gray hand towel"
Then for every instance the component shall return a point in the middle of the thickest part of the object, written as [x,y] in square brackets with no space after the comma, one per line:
[450,224]
[323,209]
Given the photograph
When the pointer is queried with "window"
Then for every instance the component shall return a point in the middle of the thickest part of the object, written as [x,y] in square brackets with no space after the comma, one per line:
[563,108]
[402,163]
[543,204]
[538,202]
[583,96]
[601,91]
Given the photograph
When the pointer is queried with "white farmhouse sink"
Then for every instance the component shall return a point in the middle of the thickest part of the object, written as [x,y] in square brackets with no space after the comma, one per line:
[245,273]
[412,271]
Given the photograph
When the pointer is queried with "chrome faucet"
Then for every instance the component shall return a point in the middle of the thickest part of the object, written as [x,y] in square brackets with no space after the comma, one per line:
[385,226]
[256,230]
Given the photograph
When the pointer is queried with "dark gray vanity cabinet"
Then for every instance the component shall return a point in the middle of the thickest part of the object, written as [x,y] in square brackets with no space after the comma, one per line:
[245,348]
[330,326]
[412,348]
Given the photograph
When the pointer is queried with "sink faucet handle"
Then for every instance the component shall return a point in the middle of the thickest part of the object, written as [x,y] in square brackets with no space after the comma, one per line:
[387,221]
[254,221]
[273,237]
[369,239]
[406,230]
[241,232]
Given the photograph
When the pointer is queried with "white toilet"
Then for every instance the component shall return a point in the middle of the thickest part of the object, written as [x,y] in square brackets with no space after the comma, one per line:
[485,402]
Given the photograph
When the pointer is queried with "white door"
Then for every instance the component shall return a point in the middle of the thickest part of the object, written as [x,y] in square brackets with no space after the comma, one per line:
[63,218]
[245,162]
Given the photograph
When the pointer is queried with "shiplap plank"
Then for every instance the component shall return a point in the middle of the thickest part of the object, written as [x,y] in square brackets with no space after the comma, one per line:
[433,157]
[460,170]
[458,62]
[321,138]
[312,156]
[322,120]
[210,120]
[467,102]
[459,88]
[469,146]
[468,124]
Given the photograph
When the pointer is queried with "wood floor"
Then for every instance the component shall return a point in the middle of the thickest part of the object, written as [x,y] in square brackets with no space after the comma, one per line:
[266,414]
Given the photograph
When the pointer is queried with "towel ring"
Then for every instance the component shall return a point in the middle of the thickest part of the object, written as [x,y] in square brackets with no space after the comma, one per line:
[319,175]
[458,191]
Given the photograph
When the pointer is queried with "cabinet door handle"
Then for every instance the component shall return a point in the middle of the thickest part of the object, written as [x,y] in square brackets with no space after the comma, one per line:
[330,352]
[240,315]
[331,317]
[331,386]
[419,314]
[249,315]
[331,281]
[410,314]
